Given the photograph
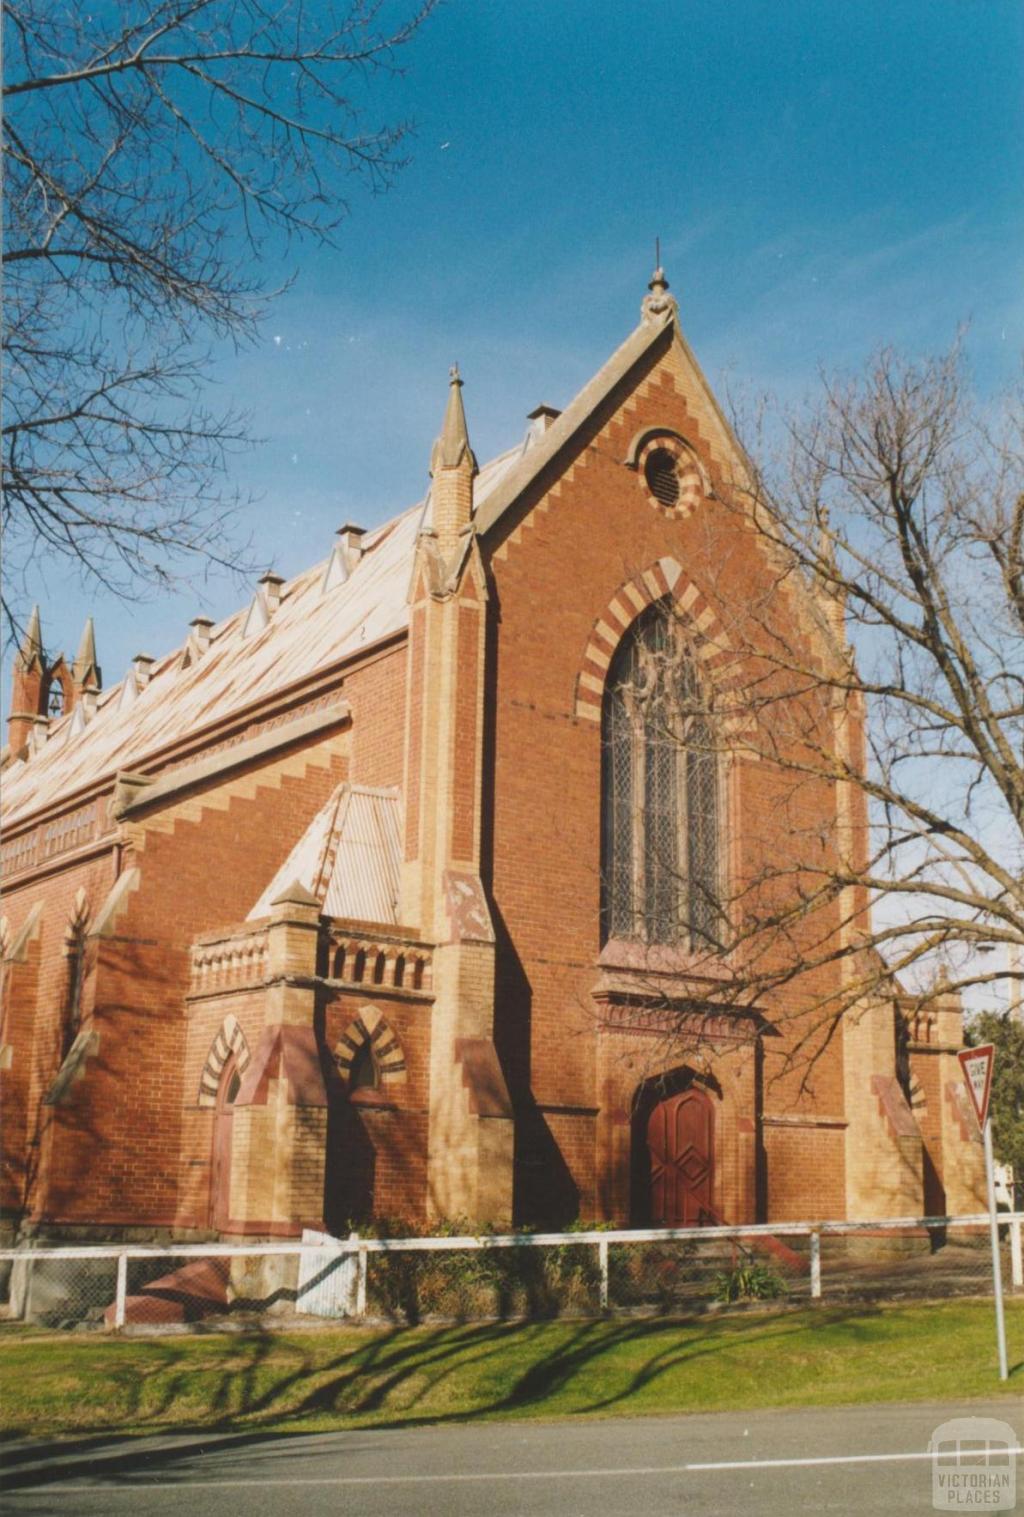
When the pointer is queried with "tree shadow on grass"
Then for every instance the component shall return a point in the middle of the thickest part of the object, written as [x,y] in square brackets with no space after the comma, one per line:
[391,1379]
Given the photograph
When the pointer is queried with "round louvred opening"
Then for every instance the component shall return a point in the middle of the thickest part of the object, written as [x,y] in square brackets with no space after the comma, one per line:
[661,472]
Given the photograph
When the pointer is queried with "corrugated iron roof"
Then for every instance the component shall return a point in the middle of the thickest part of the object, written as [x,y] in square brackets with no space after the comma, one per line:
[349,857]
[312,628]
[251,655]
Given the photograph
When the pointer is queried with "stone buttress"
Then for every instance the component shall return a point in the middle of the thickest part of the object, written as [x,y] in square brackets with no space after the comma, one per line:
[469,1167]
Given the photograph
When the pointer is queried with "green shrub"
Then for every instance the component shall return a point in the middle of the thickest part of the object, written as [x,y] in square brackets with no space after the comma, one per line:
[749,1282]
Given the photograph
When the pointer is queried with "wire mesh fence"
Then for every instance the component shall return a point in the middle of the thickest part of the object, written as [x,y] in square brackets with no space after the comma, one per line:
[515,1276]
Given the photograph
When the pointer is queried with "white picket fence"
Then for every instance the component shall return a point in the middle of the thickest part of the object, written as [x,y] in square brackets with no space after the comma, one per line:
[332,1273]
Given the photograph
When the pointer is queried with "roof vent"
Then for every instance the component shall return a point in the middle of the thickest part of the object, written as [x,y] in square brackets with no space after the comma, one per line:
[543,416]
[351,539]
[201,630]
[257,617]
[85,709]
[142,664]
[264,603]
[540,419]
[199,637]
[271,584]
[40,732]
[129,692]
[345,554]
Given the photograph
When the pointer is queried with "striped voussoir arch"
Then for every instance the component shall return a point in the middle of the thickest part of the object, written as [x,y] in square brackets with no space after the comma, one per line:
[663,580]
[369,1026]
[230,1040]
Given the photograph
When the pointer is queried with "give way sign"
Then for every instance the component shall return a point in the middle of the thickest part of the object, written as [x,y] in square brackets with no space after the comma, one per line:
[976,1064]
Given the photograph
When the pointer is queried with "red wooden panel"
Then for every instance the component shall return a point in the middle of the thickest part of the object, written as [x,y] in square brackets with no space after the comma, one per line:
[680,1142]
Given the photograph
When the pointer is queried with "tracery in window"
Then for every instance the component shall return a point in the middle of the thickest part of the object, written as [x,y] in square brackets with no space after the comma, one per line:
[661,808]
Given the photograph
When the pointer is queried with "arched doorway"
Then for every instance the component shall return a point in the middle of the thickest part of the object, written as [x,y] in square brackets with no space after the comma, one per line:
[220,1167]
[674,1155]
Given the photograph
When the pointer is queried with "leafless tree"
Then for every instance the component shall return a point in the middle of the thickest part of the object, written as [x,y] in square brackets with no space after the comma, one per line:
[156,152]
[876,677]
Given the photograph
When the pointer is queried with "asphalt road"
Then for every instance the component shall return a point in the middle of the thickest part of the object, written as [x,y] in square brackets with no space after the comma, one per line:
[856,1460]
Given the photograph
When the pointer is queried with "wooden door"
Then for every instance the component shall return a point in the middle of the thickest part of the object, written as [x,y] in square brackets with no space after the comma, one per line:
[220,1168]
[680,1144]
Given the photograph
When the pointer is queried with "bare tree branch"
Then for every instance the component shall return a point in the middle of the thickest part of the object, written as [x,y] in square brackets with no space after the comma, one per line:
[155,154]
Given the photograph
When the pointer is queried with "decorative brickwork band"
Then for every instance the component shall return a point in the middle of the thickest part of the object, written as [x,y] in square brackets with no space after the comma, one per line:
[664,580]
[370,1027]
[229,1040]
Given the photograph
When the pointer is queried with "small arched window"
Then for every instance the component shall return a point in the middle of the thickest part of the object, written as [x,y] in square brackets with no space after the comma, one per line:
[661,808]
[363,1074]
[71,1021]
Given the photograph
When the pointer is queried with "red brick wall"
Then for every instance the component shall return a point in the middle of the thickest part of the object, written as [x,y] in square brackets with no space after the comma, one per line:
[388,1137]
[114,1150]
[376,694]
[35,1003]
[554,579]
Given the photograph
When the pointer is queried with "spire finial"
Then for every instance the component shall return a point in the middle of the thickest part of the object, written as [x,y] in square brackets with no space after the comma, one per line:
[659,304]
[452,447]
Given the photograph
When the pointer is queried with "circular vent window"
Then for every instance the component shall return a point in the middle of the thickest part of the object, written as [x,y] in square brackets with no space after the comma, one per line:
[661,470]
[671,475]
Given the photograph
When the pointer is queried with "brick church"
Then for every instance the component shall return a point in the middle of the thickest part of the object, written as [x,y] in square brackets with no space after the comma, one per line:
[388,895]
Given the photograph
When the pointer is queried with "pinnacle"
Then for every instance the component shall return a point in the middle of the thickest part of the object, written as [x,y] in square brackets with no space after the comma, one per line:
[452,449]
[85,668]
[31,649]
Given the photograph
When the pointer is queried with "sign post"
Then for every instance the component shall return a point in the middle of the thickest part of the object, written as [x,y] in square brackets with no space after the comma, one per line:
[976,1064]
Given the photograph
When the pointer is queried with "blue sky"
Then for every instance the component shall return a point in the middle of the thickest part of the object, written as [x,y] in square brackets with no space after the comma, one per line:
[824,177]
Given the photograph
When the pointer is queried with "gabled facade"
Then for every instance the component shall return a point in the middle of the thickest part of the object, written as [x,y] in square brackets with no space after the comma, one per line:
[384,896]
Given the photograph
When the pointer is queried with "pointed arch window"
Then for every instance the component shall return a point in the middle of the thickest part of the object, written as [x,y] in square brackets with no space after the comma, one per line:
[364,1074]
[71,1021]
[661,791]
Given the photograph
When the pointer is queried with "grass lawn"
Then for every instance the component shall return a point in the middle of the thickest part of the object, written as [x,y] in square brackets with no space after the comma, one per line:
[363,1378]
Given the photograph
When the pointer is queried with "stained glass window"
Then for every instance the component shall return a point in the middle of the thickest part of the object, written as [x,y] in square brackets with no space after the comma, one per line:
[660,805]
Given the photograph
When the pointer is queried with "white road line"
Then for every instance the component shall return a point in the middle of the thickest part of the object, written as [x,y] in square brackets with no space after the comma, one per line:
[767,1464]
[477,1476]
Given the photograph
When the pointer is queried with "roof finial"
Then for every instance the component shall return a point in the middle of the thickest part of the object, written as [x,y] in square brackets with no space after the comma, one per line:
[452,447]
[659,305]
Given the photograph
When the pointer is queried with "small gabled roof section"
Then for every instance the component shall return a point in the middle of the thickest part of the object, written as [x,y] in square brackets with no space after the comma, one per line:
[659,329]
[349,858]
[545,448]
